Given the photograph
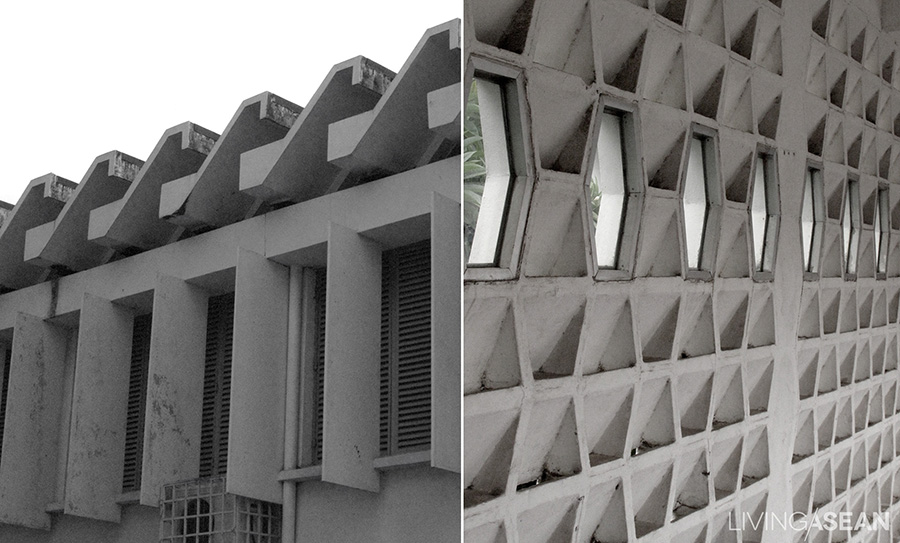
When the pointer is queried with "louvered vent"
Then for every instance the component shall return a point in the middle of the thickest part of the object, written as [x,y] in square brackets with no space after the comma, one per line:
[320,362]
[4,390]
[217,386]
[137,397]
[405,420]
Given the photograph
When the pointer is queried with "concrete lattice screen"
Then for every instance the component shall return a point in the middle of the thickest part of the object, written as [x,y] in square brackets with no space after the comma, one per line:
[664,405]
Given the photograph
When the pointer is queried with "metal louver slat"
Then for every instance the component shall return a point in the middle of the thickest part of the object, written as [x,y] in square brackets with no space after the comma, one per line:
[4,391]
[320,361]
[137,397]
[406,349]
[217,386]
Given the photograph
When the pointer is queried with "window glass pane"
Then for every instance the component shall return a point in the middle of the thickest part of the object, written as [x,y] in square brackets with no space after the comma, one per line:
[851,224]
[845,223]
[487,172]
[758,212]
[607,190]
[878,228]
[807,217]
[695,202]
[881,229]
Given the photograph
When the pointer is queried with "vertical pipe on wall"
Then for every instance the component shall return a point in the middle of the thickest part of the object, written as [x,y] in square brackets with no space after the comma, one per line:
[292,402]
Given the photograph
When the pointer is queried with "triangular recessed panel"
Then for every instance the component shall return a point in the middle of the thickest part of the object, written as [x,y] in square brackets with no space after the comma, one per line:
[726,463]
[489,442]
[694,395]
[729,397]
[650,492]
[503,24]
[697,331]
[756,461]
[731,317]
[606,418]
[564,40]
[665,82]
[491,348]
[554,330]
[652,424]
[692,484]
[759,384]
[657,317]
[604,514]
[550,448]
[553,521]
[610,345]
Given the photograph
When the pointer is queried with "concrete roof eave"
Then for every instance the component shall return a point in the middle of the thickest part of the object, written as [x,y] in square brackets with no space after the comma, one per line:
[133,221]
[297,168]
[210,197]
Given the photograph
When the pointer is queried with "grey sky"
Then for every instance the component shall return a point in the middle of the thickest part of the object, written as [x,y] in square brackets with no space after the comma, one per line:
[84,78]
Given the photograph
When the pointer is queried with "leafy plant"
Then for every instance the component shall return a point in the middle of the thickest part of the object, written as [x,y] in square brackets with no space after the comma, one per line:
[474,170]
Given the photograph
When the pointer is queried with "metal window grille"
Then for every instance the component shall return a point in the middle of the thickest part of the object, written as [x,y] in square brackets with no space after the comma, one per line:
[4,391]
[137,398]
[319,362]
[200,511]
[405,403]
[217,386]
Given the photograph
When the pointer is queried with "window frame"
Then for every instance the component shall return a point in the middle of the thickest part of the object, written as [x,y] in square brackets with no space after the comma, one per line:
[766,271]
[712,219]
[632,205]
[851,198]
[882,229]
[521,184]
[817,190]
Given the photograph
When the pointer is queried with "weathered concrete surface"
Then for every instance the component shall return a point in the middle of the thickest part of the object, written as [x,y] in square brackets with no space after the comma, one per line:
[300,169]
[255,444]
[41,202]
[99,408]
[210,197]
[352,363]
[31,440]
[64,241]
[133,222]
[174,387]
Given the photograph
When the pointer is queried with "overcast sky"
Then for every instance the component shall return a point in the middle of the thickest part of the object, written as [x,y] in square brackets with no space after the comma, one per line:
[79,79]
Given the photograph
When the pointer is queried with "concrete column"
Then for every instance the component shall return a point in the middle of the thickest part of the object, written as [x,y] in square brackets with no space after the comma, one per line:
[174,386]
[255,432]
[99,410]
[446,286]
[352,335]
[31,439]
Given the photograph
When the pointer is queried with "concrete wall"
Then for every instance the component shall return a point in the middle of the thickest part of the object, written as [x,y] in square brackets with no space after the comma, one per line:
[328,513]
[654,401]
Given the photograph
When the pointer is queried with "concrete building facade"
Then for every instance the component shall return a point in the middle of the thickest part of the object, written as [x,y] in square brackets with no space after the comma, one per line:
[682,236]
[251,336]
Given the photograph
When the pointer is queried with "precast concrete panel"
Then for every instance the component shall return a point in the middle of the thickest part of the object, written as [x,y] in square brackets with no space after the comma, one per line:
[258,368]
[352,326]
[99,408]
[174,386]
[445,333]
[31,439]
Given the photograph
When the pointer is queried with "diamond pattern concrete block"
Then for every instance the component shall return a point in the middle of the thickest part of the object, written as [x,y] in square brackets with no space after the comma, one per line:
[563,38]
[828,371]
[696,326]
[726,463]
[809,313]
[652,424]
[487,533]
[847,357]
[491,347]
[553,325]
[503,24]
[489,440]
[807,368]
[657,317]
[816,83]
[753,508]
[555,241]
[759,384]
[768,49]
[665,133]
[731,318]
[849,321]
[825,426]
[831,303]
[606,417]
[706,68]
[691,484]
[804,439]
[823,489]
[694,396]
[707,19]
[737,159]
[552,522]
[843,424]
[742,17]
[665,79]
[737,111]
[756,457]
[729,396]
[604,518]
[549,450]
[622,34]
[659,249]
[561,108]
[650,494]
[734,245]
[802,485]
[611,344]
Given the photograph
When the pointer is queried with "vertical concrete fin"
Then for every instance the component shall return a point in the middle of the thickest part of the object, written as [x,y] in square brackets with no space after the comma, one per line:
[31,437]
[255,433]
[174,386]
[446,313]
[352,324]
[99,407]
